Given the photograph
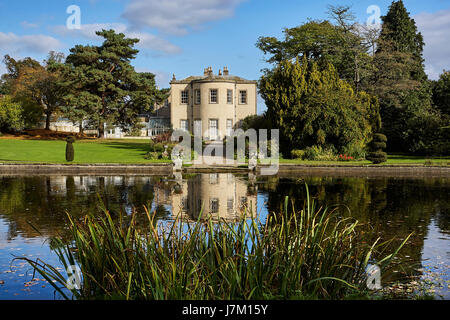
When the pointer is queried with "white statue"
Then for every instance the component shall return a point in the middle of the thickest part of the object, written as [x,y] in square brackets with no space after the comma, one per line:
[253,161]
[178,162]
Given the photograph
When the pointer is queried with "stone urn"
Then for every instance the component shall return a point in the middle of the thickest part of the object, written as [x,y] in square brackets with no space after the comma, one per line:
[165,154]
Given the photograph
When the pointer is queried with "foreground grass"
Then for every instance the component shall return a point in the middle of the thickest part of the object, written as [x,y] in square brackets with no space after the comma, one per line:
[306,254]
[86,151]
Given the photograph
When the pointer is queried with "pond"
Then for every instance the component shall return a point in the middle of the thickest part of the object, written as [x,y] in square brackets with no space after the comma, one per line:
[33,210]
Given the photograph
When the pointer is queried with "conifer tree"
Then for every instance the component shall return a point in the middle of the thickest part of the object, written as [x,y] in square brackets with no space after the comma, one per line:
[378,144]
[313,106]
[103,85]
[70,152]
[399,34]
[401,84]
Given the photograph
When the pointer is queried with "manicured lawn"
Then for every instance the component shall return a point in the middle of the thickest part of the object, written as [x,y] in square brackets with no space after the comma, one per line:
[86,151]
[405,159]
[392,160]
[134,151]
[308,162]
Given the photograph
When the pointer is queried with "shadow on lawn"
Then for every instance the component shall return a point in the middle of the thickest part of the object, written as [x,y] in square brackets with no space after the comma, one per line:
[416,157]
[144,148]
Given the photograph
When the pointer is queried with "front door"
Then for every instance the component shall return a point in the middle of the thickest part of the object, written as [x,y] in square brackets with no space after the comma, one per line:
[213,129]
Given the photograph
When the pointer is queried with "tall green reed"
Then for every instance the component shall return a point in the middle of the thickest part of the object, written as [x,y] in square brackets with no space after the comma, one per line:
[307,254]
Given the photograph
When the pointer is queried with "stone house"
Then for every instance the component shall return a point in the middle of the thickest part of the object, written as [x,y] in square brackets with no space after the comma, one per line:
[211,106]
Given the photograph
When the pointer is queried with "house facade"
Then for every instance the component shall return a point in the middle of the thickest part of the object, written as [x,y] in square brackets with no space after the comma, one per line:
[211,106]
[218,195]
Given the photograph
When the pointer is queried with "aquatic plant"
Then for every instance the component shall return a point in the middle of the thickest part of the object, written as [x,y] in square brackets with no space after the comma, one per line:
[294,254]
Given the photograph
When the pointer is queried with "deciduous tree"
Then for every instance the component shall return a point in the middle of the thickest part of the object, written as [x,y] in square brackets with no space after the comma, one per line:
[39,87]
[11,115]
[338,41]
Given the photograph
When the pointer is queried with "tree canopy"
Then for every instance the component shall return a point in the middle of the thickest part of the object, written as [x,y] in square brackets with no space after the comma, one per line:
[11,115]
[441,93]
[403,88]
[104,86]
[311,105]
[387,63]
[36,87]
[399,33]
[338,41]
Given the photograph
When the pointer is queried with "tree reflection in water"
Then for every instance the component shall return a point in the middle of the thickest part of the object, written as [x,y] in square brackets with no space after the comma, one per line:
[36,206]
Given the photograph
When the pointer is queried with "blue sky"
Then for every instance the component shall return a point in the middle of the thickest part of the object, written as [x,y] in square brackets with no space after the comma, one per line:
[182,37]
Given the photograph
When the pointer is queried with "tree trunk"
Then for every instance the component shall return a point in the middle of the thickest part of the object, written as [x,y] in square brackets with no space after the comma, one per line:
[357,76]
[101,130]
[81,128]
[47,121]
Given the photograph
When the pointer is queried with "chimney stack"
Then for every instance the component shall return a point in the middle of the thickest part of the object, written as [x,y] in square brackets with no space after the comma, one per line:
[225,71]
[209,72]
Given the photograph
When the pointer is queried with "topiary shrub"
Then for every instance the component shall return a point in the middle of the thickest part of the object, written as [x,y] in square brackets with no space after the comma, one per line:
[158,147]
[70,152]
[298,154]
[377,145]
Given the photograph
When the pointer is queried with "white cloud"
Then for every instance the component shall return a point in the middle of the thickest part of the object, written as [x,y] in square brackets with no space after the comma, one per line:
[29,25]
[435,28]
[11,43]
[147,40]
[177,16]
[150,41]
[89,30]
[2,68]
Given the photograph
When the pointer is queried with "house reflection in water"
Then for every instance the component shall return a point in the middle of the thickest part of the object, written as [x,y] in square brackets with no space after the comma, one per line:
[219,195]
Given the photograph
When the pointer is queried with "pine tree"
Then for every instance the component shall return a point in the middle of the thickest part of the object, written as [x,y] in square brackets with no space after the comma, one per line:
[103,85]
[400,32]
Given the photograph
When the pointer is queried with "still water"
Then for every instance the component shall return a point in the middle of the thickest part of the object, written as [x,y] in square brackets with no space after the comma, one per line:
[33,210]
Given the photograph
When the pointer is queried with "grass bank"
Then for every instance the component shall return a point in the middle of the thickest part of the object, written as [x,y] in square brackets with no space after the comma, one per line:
[86,151]
[121,151]
[393,160]
[306,254]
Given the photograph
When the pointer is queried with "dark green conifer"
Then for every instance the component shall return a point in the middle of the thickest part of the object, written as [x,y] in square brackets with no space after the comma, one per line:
[377,145]
[70,152]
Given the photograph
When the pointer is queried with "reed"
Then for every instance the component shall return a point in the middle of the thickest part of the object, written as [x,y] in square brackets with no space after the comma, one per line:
[307,254]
